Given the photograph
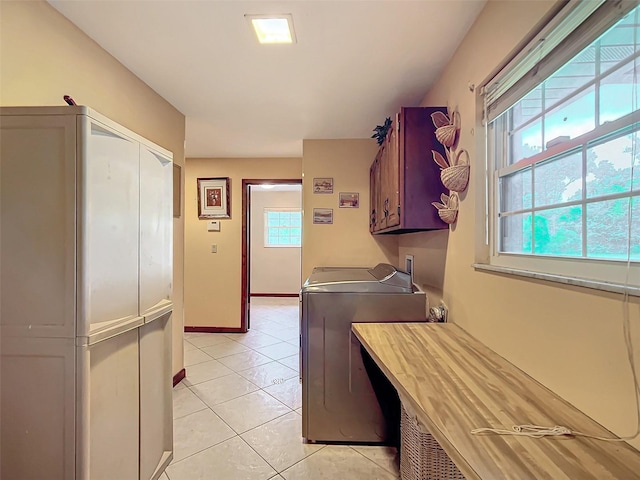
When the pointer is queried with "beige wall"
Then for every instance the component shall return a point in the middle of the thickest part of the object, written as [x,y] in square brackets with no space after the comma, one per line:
[568,338]
[214,300]
[43,56]
[273,269]
[213,280]
[347,242]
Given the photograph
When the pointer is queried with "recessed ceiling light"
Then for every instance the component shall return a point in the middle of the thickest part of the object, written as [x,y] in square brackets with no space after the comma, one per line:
[273,28]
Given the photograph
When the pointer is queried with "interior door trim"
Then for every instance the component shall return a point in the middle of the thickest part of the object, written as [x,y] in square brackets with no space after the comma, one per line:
[246,208]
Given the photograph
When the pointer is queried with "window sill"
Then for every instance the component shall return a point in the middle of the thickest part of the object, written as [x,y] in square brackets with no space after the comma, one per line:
[578,282]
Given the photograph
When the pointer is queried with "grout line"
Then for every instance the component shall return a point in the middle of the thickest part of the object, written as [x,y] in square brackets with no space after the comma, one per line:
[263,423]
[259,388]
[210,446]
[273,466]
[353,447]
[205,381]
[303,459]
[190,413]
[268,393]
[264,459]
[235,373]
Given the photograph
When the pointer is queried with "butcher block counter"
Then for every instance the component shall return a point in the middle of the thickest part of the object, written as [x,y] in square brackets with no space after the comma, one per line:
[454,384]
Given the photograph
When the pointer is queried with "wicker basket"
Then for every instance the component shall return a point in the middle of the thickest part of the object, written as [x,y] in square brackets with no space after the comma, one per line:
[446,135]
[421,457]
[456,178]
[448,215]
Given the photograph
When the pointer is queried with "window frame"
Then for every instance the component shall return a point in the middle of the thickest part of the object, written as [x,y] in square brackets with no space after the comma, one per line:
[266,212]
[604,274]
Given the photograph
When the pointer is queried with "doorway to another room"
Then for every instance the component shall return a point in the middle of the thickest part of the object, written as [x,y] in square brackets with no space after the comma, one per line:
[271,244]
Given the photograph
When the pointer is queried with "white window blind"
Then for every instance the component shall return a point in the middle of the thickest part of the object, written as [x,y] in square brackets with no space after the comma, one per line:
[576,25]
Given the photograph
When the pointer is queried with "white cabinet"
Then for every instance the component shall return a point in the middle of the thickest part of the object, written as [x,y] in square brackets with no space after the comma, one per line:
[156,220]
[108,227]
[112,392]
[156,417]
[37,409]
[38,229]
[85,279]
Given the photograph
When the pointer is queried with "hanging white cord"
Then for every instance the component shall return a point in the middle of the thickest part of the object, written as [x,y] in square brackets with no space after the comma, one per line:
[485,121]
[537,431]
[626,306]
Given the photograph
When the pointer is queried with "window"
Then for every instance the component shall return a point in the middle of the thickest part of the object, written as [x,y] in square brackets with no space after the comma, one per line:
[564,158]
[282,227]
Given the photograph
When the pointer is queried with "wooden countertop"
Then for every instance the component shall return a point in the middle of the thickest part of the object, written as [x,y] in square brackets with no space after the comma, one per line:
[455,384]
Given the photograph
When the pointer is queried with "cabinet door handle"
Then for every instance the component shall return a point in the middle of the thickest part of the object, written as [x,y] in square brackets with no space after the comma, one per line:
[386,207]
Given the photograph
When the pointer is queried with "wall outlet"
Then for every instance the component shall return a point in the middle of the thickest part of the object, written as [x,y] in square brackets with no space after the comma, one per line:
[214,248]
[445,311]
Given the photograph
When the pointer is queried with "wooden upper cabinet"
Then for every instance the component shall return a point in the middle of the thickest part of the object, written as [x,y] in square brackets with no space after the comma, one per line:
[374,192]
[391,180]
[404,177]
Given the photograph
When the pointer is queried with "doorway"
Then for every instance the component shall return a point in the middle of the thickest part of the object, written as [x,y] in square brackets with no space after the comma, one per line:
[271,241]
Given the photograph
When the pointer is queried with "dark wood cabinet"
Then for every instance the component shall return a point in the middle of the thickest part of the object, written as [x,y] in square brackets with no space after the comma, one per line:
[374,191]
[404,179]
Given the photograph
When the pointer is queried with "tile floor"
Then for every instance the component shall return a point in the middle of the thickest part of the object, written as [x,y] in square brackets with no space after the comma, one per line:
[237,415]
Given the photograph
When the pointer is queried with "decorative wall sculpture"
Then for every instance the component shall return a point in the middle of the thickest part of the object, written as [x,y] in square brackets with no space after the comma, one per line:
[455,168]
[448,209]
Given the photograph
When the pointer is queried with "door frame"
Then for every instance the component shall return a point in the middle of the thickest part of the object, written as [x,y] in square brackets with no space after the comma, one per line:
[245,321]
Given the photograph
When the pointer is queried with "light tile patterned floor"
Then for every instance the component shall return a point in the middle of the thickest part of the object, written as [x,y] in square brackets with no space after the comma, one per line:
[237,414]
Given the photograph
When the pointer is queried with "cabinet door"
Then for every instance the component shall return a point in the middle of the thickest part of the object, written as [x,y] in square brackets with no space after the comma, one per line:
[38,198]
[421,182]
[372,200]
[110,192]
[374,191]
[392,175]
[156,238]
[108,398]
[383,196]
[37,408]
[156,417]
[409,179]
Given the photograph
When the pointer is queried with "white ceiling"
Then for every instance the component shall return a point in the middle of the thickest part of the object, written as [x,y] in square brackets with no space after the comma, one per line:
[355,63]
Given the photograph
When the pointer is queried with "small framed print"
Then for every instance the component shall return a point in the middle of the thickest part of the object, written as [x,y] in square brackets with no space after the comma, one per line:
[323,215]
[349,200]
[214,198]
[323,185]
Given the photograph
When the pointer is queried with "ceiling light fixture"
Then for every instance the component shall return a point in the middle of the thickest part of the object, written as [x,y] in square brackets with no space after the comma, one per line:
[273,28]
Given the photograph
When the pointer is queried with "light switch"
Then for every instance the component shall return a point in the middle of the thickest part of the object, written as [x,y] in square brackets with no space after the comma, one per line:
[213,226]
[214,248]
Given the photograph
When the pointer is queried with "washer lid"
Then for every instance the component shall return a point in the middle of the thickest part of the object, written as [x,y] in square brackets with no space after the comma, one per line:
[383,278]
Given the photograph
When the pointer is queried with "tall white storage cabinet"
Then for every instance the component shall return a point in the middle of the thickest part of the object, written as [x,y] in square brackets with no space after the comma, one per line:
[85,285]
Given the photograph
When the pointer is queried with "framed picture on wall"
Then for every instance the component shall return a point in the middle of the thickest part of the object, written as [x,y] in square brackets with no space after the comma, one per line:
[214,198]
[323,215]
[349,200]
[323,185]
